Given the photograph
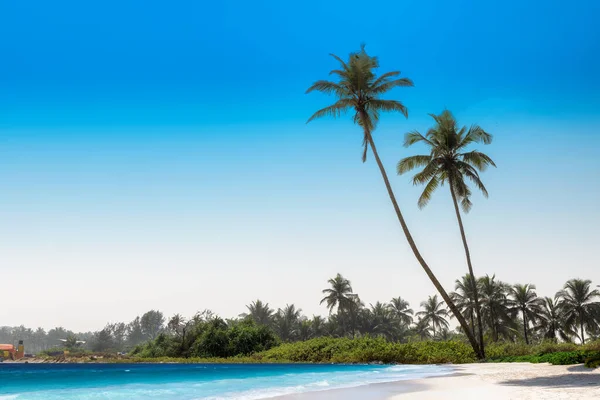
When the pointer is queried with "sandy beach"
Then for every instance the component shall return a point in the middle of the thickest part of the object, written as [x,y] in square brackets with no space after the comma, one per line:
[518,381]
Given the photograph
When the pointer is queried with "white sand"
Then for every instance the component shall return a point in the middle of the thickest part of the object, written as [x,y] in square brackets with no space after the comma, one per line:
[519,381]
[509,381]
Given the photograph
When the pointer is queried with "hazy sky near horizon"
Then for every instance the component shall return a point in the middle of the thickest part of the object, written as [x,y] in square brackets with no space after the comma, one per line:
[156,156]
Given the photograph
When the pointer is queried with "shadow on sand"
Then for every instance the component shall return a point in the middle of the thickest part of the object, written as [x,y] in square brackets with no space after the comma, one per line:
[580,376]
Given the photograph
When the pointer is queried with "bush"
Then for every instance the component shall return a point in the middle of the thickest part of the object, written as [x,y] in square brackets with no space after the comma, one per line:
[367,349]
[593,361]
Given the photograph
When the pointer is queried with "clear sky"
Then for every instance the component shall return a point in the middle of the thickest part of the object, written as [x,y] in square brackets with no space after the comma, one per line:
[155,154]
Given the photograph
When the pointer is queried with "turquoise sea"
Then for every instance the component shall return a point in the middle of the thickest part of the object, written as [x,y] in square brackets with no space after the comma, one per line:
[192,381]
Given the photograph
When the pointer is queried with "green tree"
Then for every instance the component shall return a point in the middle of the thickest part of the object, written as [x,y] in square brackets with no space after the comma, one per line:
[359,90]
[552,321]
[340,295]
[580,306]
[422,329]
[287,322]
[434,313]
[464,298]
[525,300]
[449,162]
[495,306]
[400,310]
[135,335]
[103,341]
[260,313]
[152,323]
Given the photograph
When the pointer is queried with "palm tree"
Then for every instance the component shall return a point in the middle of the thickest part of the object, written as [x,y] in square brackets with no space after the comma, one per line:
[495,306]
[401,311]
[286,322]
[580,306]
[434,313]
[317,326]
[339,295]
[422,329]
[464,298]
[379,321]
[449,162]
[552,321]
[359,90]
[259,312]
[525,300]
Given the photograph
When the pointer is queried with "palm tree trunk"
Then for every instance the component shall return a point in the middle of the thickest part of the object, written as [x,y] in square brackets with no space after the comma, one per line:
[459,317]
[472,324]
[581,324]
[468,254]
[525,327]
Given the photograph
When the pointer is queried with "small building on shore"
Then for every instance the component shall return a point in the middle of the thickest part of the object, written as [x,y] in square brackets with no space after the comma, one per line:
[9,352]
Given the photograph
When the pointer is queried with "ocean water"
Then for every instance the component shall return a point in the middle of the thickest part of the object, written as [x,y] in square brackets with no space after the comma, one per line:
[192,381]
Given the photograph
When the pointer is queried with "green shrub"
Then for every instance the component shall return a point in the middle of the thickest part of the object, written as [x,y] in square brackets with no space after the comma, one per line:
[367,349]
[593,361]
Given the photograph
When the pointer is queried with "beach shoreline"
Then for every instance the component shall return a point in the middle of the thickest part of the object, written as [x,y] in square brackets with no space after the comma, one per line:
[492,381]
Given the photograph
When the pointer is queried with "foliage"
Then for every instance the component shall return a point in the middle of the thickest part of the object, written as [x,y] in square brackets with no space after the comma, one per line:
[367,349]
[211,338]
[593,361]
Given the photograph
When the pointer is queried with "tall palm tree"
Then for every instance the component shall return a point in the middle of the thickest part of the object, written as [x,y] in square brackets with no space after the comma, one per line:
[400,310]
[552,322]
[580,306]
[525,300]
[464,298]
[449,162]
[359,90]
[260,312]
[339,295]
[495,306]
[434,313]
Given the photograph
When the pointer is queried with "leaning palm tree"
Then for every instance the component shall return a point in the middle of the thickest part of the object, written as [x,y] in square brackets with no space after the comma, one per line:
[434,314]
[449,162]
[359,90]
[400,310]
[525,300]
[580,306]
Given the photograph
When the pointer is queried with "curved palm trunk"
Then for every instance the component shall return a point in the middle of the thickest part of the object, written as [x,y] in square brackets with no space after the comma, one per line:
[468,254]
[459,317]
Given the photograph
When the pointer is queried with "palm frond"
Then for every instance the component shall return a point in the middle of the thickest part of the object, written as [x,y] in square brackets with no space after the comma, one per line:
[335,110]
[412,162]
[387,86]
[478,160]
[413,137]
[329,88]
[387,106]
[428,191]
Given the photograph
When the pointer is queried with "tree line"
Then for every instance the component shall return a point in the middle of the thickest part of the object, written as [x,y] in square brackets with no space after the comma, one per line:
[510,313]
[118,336]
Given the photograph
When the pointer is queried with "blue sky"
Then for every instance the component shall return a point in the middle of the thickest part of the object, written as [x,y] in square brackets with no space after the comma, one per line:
[159,153]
